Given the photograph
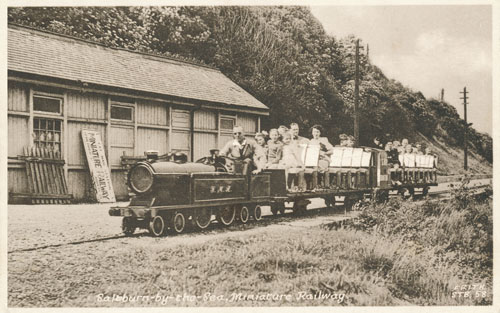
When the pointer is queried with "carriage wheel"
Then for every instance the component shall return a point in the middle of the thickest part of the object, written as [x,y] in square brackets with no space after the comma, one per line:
[425,191]
[382,196]
[300,206]
[257,213]
[278,208]
[178,222]
[128,225]
[244,214]
[349,203]
[203,217]
[226,215]
[405,193]
[329,202]
[157,226]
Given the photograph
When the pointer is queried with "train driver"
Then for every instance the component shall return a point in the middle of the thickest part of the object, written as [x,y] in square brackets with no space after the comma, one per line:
[242,149]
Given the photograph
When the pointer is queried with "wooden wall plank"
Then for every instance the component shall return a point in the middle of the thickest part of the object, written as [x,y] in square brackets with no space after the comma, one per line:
[86,105]
[203,142]
[17,97]
[152,113]
[18,136]
[205,120]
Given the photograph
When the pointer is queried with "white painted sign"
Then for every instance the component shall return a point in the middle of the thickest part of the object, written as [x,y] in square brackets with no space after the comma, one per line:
[99,170]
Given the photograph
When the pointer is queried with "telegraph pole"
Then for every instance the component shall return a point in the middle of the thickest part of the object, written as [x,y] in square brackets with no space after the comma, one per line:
[466,126]
[356,96]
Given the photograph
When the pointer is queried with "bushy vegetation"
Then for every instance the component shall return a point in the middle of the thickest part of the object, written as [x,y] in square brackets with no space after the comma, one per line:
[440,244]
[279,54]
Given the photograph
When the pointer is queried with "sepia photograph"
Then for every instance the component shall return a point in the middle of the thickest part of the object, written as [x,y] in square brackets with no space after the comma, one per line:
[172,156]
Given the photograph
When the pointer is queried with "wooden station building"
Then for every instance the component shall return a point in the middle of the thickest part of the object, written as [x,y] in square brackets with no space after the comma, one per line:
[60,85]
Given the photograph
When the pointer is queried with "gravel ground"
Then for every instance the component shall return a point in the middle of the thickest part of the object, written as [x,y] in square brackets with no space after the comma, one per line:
[33,226]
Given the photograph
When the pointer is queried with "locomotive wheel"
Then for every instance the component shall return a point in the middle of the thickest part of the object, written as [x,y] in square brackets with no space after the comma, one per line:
[243,214]
[257,213]
[226,215]
[178,222]
[128,225]
[157,226]
[203,217]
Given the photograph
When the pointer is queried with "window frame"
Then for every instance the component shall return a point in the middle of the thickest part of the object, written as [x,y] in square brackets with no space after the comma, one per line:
[226,117]
[53,131]
[122,105]
[47,96]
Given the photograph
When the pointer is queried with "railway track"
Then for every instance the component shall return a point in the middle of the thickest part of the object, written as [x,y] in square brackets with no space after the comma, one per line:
[312,217]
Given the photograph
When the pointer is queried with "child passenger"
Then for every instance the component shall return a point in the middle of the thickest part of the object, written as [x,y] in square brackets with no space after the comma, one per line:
[274,149]
[291,162]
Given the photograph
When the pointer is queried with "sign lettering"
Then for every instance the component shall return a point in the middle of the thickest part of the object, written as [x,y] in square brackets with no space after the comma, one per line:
[101,175]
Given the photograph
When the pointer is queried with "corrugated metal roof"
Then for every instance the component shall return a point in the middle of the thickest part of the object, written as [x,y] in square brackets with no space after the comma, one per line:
[41,53]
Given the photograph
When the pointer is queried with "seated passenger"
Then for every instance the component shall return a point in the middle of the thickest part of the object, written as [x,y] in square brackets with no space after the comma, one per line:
[274,149]
[408,148]
[428,151]
[326,150]
[393,156]
[291,160]
[399,148]
[388,146]
[241,149]
[266,135]
[294,129]
[343,140]
[282,130]
[350,141]
[377,143]
[419,149]
[393,161]
[261,155]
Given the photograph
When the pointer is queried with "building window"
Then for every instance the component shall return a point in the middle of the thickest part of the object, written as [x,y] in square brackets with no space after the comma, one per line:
[123,113]
[46,104]
[47,133]
[227,123]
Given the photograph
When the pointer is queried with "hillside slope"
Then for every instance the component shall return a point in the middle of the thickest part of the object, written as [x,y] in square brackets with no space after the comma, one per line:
[283,57]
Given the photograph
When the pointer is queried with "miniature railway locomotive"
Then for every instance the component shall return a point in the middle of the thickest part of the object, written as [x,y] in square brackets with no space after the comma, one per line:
[171,195]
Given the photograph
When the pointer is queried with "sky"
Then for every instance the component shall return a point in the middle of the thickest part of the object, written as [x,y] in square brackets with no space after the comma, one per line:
[426,48]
